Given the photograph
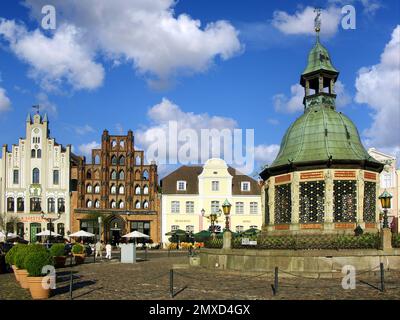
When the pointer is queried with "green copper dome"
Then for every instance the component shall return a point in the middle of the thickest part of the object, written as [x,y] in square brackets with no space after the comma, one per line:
[321,137]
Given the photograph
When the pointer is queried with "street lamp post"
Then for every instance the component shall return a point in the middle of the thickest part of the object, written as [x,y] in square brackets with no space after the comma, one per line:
[50,220]
[99,219]
[226,207]
[385,199]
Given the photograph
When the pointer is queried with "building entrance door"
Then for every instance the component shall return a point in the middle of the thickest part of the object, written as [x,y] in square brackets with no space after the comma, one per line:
[35,228]
[116,227]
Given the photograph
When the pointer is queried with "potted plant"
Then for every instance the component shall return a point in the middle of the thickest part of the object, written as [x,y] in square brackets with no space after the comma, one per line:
[10,256]
[34,263]
[57,251]
[78,251]
[19,265]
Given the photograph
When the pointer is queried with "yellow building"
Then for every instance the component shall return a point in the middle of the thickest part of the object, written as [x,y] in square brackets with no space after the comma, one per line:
[191,193]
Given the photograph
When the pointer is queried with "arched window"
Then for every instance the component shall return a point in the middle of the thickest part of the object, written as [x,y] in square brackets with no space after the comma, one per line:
[35,175]
[51,205]
[39,154]
[137,204]
[121,189]
[113,204]
[97,204]
[10,204]
[20,204]
[97,159]
[122,144]
[138,161]
[121,204]
[89,174]
[145,175]
[146,190]
[145,204]
[89,188]
[96,188]
[33,153]
[121,175]
[113,175]
[96,174]
[121,160]
[137,175]
[61,205]
[61,229]
[137,190]
[89,204]
[114,160]
[113,144]
[113,189]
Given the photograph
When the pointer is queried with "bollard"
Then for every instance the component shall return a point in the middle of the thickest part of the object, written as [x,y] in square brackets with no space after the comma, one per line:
[171,282]
[168,252]
[94,255]
[71,281]
[382,277]
[145,253]
[276,281]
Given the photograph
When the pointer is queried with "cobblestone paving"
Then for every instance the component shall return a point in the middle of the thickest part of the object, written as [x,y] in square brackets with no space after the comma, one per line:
[111,280]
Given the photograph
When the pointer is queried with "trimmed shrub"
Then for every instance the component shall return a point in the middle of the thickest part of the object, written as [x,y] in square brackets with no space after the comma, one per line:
[396,240]
[57,250]
[20,256]
[10,256]
[78,249]
[35,261]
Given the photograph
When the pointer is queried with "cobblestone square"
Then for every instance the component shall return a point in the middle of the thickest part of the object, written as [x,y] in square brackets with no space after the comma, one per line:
[149,280]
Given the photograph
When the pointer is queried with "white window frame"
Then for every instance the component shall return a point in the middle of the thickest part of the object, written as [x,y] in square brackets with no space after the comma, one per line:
[239,228]
[190,228]
[243,183]
[253,207]
[175,206]
[238,205]
[215,185]
[174,227]
[178,185]
[191,207]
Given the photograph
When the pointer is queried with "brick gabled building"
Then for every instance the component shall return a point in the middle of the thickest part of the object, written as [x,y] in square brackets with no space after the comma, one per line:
[117,192]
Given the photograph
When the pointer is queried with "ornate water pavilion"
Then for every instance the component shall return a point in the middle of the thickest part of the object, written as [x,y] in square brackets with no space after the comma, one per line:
[323,180]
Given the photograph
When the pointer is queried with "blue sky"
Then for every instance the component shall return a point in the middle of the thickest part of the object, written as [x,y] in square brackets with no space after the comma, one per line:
[245,69]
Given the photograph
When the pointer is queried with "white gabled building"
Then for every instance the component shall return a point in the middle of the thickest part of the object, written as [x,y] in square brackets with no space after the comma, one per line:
[35,178]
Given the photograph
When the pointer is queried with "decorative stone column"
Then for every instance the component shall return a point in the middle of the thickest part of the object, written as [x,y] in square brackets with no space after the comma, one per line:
[328,219]
[295,199]
[271,203]
[227,240]
[360,199]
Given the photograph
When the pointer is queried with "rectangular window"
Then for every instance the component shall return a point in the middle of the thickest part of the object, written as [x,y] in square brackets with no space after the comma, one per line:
[215,185]
[239,207]
[91,226]
[181,185]
[175,206]
[174,228]
[36,205]
[239,229]
[253,207]
[245,186]
[386,180]
[283,203]
[15,177]
[214,206]
[369,201]
[345,200]
[56,177]
[189,207]
[141,226]
[189,228]
[312,200]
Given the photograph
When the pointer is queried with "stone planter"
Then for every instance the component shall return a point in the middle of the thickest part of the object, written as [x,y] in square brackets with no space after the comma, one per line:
[36,288]
[23,275]
[14,268]
[59,262]
[79,258]
[194,261]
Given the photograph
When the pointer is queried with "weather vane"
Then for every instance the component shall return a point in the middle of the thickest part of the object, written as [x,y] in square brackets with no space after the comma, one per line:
[317,20]
[37,107]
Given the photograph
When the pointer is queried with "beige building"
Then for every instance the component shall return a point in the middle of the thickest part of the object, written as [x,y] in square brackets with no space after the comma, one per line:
[390,181]
[35,178]
[189,190]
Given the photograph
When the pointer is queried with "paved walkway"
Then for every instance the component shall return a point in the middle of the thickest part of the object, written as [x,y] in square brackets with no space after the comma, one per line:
[111,280]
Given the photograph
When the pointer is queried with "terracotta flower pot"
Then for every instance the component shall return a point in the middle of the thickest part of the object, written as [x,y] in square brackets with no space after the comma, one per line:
[23,274]
[15,269]
[36,288]
[79,258]
[59,262]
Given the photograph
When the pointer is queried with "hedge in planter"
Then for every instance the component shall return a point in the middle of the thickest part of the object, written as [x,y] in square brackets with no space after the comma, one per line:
[57,251]
[10,256]
[19,263]
[79,253]
[35,262]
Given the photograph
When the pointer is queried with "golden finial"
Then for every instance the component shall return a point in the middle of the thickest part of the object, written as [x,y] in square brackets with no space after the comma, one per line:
[317,20]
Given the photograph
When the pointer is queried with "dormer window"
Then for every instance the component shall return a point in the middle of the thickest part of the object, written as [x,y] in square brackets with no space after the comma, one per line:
[245,186]
[181,185]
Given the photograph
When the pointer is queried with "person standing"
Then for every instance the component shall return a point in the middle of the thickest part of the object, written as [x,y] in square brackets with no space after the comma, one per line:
[108,251]
[99,249]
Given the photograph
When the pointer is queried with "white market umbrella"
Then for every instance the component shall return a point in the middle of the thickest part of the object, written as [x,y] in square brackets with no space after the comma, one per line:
[47,233]
[2,235]
[81,234]
[9,235]
[135,234]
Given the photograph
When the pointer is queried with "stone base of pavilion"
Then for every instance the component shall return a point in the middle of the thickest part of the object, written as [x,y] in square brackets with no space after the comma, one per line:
[319,228]
[312,263]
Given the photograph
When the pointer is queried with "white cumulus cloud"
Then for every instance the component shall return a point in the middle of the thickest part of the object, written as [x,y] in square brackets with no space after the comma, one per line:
[86,148]
[378,87]
[5,103]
